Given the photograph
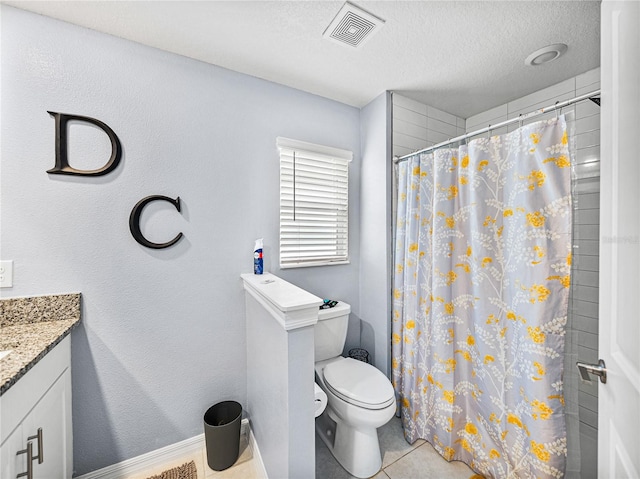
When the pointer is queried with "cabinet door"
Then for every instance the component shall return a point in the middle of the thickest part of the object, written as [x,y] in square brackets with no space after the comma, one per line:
[53,415]
[10,463]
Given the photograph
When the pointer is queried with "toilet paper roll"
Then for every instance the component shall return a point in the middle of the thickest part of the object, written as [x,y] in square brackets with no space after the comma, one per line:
[320,399]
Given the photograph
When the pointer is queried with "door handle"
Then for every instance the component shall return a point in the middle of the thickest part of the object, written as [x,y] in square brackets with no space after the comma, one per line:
[599,369]
[29,452]
[38,436]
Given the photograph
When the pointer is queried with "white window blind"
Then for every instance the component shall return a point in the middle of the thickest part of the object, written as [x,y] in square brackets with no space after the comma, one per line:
[314,204]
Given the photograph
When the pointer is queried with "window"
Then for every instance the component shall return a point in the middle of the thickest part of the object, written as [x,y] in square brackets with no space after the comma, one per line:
[314,204]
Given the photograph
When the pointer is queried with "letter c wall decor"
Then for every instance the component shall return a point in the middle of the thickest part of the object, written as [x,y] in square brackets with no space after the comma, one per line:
[134,221]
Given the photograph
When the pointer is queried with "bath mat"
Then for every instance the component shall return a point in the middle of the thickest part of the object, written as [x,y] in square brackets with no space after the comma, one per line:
[186,471]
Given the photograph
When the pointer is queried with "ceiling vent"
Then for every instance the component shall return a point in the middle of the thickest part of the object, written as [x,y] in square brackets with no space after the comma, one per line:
[352,26]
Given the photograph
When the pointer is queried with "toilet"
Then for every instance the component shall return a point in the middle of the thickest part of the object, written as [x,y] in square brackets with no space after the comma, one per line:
[360,398]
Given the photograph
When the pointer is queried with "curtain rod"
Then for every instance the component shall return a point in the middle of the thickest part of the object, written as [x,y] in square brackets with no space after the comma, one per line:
[526,116]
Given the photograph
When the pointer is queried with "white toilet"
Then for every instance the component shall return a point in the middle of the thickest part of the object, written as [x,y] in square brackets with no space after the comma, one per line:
[360,397]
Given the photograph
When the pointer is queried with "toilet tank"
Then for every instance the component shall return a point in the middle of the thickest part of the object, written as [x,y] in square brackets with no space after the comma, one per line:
[330,332]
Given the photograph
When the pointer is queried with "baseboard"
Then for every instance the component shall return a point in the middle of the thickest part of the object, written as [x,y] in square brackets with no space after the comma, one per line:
[261,470]
[148,461]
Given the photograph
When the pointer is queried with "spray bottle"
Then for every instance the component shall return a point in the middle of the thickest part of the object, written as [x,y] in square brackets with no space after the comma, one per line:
[257,257]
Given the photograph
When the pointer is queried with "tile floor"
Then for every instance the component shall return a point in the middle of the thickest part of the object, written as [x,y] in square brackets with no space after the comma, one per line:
[400,460]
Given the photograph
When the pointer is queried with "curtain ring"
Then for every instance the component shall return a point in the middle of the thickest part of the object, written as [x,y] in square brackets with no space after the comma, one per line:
[555,107]
[489,132]
[520,120]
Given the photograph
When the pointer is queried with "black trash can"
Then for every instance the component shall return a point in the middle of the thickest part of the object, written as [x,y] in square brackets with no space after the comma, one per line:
[360,354]
[222,434]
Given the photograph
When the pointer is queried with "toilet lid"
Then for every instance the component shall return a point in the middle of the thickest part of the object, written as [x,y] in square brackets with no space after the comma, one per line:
[359,383]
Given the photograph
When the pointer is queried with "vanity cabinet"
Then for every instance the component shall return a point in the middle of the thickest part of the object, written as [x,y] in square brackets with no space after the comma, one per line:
[36,419]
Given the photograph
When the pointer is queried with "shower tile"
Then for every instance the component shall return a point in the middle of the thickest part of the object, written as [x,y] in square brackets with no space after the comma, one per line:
[442,127]
[437,137]
[588,170]
[589,123]
[426,463]
[587,89]
[588,401]
[548,95]
[489,117]
[588,78]
[584,308]
[408,141]
[588,200]
[515,111]
[588,232]
[409,116]
[588,388]
[409,104]
[587,108]
[587,355]
[587,247]
[587,185]
[588,340]
[586,278]
[588,139]
[588,452]
[416,131]
[586,263]
[585,293]
[583,323]
[441,115]
[399,150]
[587,216]
[588,155]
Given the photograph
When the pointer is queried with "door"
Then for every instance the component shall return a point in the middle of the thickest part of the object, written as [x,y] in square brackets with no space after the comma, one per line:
[11,463]
[51,415]
[619,333]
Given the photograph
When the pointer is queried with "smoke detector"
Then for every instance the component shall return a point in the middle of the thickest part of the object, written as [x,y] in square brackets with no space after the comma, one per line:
[546,54]
[352,26]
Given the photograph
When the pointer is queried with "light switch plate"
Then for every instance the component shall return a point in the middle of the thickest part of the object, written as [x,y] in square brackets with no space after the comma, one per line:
[6,274]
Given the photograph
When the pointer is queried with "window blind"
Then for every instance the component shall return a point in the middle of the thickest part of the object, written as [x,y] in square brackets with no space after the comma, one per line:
[314,204]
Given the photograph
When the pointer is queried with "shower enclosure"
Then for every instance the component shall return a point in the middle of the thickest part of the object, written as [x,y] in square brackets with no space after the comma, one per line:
[417,126]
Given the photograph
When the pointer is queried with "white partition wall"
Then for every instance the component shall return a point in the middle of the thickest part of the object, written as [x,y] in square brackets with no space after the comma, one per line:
[280,395]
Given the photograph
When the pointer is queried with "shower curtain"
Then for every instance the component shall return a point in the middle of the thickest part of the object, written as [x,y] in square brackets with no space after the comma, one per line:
[481,286]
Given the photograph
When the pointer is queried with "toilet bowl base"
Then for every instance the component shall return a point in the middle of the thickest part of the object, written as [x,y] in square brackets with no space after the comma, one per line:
[357,450]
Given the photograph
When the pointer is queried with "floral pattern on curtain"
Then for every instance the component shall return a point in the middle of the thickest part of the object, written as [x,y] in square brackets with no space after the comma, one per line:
[481,286]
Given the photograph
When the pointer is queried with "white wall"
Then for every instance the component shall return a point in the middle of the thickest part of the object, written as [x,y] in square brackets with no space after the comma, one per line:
[583,301]
[163,331]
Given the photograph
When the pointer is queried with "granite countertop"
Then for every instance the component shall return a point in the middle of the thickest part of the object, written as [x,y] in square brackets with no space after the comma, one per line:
[30,328]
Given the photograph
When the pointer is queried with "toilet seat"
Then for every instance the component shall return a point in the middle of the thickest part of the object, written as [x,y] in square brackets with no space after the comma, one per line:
[358,383]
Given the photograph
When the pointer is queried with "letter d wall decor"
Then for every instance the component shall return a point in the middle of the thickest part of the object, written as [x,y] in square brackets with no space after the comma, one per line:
[62,162]
[62,167]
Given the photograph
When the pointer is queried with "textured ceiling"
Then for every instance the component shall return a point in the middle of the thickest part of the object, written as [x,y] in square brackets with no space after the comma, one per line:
[461,57]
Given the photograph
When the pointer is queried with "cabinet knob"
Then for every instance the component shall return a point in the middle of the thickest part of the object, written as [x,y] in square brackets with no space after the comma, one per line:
[29,452]
[38,436]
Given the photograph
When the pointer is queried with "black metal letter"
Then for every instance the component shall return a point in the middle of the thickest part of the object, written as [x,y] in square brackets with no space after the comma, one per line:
[134,221]
[62,162]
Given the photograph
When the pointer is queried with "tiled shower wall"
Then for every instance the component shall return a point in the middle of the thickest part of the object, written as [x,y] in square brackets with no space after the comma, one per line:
[583,305]
[417,126]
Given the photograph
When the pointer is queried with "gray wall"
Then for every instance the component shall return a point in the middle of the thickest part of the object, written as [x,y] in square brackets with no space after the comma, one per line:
[375,230]
[163,332]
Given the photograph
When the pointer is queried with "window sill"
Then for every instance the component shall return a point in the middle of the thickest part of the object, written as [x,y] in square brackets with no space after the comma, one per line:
[318,263]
